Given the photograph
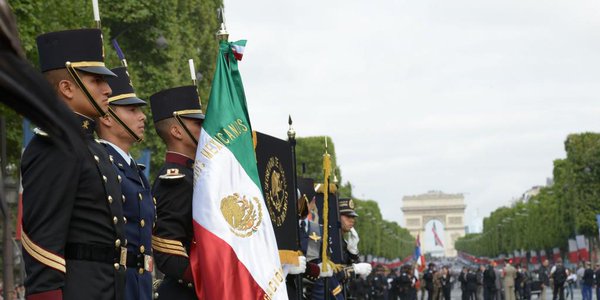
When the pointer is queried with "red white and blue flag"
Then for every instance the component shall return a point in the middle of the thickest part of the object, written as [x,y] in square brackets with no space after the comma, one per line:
[419,257]
[438,241]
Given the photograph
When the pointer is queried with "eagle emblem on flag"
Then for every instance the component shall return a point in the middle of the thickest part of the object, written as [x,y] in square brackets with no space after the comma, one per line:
[243,216]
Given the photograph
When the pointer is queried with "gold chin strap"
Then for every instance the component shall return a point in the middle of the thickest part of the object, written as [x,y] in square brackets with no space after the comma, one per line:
[71,69]
[177,116]
[112,113]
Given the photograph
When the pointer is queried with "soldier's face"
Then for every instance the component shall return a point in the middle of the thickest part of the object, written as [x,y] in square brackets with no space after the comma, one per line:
[194,126]
[98,88]
[133,116]
[347,222]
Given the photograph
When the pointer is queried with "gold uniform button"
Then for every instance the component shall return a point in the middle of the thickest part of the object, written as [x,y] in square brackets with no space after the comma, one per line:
[116,266]
[140,196]
[97,158]
[104,178]
[154,199]
[125,242]
[180,281]
[142,249]
[141,271]
[124,220]
[142,223]
[115,220]
[110,157]
[123,197]
[110,199]
[118,243]
[119,178]
[189,285]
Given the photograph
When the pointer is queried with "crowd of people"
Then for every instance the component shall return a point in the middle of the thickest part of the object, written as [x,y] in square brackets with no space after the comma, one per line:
[482,282]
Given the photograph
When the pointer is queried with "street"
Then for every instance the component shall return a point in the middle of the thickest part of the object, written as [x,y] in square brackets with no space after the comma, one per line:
[456,295]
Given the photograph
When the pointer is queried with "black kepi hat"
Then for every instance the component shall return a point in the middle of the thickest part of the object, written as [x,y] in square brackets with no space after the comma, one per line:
[82,47]
[347,207]
[122,89]
[183,101]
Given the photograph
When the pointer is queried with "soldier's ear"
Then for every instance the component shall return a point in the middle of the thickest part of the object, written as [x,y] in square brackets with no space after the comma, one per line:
[176,132]
[107,120]
[66,89]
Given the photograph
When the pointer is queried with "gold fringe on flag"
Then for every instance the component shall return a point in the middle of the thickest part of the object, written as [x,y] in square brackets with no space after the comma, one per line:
[289,257]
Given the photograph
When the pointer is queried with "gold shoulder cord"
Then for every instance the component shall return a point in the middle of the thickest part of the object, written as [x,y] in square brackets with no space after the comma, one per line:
[180,121]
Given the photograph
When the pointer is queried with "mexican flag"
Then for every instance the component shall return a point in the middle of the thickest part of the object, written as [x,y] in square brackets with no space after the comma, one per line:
[234,254]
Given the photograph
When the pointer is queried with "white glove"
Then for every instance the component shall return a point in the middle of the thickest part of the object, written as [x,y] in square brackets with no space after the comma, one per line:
[300,268]
[329,272]
[362,269]
[352,242]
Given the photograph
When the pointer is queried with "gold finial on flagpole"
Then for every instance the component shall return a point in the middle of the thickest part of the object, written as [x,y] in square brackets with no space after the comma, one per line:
[222,34]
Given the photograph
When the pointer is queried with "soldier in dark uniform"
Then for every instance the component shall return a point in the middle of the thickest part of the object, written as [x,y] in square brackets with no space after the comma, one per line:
[428,280]
[138,206]
[350,262]
[178,120]
[471,284]
[73,241]
[404,283]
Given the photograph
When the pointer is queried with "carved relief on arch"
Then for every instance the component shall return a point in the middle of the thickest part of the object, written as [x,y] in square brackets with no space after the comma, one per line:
[441,218]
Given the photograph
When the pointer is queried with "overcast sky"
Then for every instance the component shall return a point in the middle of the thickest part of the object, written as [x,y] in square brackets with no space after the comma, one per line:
[473,97]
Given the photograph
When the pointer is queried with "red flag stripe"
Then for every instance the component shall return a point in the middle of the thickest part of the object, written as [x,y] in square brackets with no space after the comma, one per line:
[209,280]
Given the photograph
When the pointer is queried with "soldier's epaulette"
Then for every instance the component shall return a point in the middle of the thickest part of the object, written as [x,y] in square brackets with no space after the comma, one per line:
[40,132]
[142,166]
[172,174]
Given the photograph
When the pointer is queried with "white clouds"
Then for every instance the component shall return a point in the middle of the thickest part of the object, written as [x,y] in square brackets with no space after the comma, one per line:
[461,96]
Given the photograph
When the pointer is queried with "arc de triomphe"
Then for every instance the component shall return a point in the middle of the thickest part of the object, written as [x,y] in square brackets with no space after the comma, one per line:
[449,209]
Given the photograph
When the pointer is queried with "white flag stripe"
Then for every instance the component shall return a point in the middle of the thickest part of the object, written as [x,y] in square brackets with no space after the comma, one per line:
[225,176]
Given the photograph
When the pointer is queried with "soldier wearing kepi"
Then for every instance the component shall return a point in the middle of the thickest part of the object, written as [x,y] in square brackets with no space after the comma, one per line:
[178,120]
[350,259]
[118,136]
[73,240]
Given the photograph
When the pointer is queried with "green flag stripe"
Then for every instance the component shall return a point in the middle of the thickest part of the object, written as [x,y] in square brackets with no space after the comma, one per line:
[227,119]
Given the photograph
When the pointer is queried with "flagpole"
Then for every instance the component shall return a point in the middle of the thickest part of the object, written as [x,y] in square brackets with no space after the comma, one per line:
[292,140]
[96,10]
[325,244]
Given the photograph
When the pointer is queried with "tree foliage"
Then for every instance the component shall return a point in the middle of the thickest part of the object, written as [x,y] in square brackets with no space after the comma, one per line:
[157,37]
[557,213]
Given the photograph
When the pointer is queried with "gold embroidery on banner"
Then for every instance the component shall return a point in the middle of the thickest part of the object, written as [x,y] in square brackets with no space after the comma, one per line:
[275,185]
[243,216]
[274,284]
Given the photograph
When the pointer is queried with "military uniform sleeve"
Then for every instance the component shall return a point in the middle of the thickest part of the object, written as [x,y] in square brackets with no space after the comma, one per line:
[49,178]
[170,241]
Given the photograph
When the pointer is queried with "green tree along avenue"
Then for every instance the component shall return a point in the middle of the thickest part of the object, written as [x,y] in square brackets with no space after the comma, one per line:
[158,38]
[557,213]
